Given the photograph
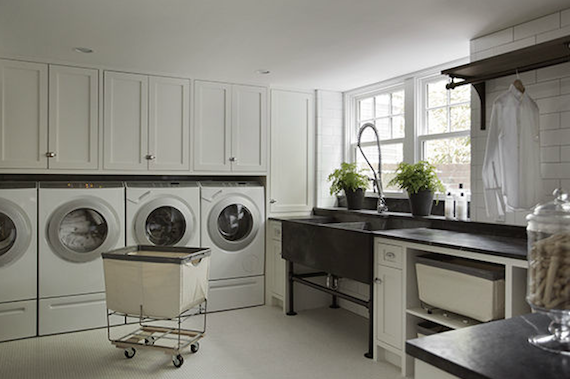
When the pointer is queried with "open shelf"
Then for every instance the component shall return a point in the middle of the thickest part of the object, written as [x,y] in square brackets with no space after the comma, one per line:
[529,58]
[451,320]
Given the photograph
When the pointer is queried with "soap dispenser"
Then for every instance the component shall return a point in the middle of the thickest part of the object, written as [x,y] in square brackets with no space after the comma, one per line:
[461,205]
[449,206]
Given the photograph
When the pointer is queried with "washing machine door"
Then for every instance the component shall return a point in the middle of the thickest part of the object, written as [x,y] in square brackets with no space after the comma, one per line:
[80,230]
[15,232]
[233,223]
[164,222]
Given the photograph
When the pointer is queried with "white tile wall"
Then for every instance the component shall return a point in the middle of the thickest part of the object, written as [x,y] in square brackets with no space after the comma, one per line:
[330,132]
[550,87]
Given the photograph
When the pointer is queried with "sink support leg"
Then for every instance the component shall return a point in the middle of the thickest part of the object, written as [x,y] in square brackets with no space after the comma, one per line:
[291,298]
[334,304]
[370,353]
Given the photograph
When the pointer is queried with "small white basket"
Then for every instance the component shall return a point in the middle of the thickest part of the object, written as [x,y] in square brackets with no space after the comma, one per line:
[157,282]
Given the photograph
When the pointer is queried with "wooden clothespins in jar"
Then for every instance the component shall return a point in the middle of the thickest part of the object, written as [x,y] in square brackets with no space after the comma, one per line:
[518,83]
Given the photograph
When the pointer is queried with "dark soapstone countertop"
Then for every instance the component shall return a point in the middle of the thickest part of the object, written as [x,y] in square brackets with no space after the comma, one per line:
[495,350]
[481,243]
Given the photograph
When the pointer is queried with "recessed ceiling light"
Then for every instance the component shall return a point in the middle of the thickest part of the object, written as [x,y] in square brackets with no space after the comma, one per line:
[262,71]
[85,50]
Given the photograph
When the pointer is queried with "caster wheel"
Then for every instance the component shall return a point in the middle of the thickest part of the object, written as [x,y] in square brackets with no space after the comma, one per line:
[177,360]
[195,347]
[130,352]
[149,341]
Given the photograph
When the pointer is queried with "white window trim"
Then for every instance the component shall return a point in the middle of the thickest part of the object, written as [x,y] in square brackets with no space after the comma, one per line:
[411,83]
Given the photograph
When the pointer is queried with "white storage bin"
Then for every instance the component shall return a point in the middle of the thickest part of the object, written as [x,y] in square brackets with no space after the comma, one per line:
[469,288]
[164,281]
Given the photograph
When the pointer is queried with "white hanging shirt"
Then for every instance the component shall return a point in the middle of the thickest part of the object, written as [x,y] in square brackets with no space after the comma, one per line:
[511,169]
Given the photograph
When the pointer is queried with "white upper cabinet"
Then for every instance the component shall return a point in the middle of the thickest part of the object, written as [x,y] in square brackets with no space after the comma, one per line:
[146,122]
[73,118]
[249,128]
[126,121]
[292,151]
[230,128]
[23,114]
[169,124]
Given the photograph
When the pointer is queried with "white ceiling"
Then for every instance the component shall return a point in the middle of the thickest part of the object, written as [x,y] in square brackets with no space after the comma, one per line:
[325,44]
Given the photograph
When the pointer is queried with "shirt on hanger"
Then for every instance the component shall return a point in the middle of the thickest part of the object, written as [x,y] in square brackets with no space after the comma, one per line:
[511,168]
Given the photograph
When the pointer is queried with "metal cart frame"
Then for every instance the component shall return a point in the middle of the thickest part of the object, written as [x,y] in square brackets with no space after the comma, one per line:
[155,337]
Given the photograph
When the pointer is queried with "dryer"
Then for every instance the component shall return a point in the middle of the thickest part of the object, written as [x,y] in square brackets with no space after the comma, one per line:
[163,213]
[233,219]
[77,221]
[18,260]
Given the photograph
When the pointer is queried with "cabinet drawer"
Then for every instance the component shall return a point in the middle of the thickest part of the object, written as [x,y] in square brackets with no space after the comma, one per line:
[275,231]
[389,255]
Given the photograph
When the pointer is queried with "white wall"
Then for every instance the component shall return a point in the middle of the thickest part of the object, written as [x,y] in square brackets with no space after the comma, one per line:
[330,131]
[549,87]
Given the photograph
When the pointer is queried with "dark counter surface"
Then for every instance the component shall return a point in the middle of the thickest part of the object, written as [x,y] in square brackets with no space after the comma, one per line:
[500,240]
[495,350]
[480,243]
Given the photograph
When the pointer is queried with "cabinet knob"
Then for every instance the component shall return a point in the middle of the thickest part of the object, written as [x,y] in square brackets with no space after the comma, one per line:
[50,154]
[377,280]
[272,201]
[233,159]
[150,157]
[390,255]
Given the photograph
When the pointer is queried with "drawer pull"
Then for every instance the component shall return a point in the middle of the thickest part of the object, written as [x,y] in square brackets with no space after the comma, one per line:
[377,280]
[390,255]
[272,201]
[50,154]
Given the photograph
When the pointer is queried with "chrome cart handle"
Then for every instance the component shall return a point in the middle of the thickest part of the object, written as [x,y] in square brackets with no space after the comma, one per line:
[377,280]
[50,154]
[150,157]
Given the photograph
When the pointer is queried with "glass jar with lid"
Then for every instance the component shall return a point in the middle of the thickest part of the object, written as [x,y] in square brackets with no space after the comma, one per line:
[548,287]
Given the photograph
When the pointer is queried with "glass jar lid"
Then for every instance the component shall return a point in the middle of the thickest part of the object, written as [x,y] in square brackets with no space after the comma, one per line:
[556,211]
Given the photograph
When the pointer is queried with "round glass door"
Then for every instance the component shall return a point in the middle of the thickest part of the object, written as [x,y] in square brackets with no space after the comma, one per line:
[235,222]
[83,230]
[8,234]
[165,226]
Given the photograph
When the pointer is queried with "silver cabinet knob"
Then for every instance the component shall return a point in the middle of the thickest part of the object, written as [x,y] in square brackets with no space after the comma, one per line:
[377,280]
[272,201]
[233,159]
[50,154]
[150,157]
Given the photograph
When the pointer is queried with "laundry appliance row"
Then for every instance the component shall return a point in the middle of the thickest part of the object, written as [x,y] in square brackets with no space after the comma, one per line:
[52,235]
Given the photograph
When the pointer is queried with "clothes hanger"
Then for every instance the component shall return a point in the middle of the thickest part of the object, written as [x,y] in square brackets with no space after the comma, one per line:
[518,83]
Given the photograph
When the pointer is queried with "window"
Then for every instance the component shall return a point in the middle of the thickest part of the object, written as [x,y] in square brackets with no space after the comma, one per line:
[444,132]
[386,111]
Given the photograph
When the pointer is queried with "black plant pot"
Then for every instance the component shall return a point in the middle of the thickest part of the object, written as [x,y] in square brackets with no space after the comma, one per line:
[421,203]
[354,199]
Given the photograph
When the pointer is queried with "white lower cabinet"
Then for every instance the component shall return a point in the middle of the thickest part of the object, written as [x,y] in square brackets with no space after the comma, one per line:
[388,303]
[276,266]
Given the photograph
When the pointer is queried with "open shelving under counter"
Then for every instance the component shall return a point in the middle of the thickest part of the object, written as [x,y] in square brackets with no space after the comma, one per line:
[441,317]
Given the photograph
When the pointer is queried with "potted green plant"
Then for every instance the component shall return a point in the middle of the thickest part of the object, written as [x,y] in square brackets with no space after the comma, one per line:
[349,179]
[420,181]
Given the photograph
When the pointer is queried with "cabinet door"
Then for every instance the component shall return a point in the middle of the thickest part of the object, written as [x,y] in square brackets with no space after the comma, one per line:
[126,121]
[212,137]
[249,129]
[389,315]
[73,117]
[169,127]
[23,114]
[292,151]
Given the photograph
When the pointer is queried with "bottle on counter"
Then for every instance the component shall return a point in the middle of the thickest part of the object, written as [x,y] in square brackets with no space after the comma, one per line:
[461,205]
[449,206]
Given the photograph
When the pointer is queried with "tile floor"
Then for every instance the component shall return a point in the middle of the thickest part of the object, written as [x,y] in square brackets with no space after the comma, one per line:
[258,342]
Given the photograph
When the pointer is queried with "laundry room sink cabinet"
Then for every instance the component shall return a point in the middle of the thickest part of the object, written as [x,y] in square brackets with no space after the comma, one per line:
[230,128]
[146,123]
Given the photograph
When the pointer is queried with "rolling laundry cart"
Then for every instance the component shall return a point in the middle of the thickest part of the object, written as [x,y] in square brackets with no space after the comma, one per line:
[162,287]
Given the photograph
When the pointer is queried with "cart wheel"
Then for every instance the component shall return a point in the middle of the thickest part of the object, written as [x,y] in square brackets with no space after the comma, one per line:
[195,347]
[130,352]
[177,360]
[149,340]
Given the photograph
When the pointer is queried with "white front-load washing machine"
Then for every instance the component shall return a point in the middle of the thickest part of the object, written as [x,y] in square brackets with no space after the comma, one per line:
[77,222]
[233,219]
[18,260]
[163,214]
